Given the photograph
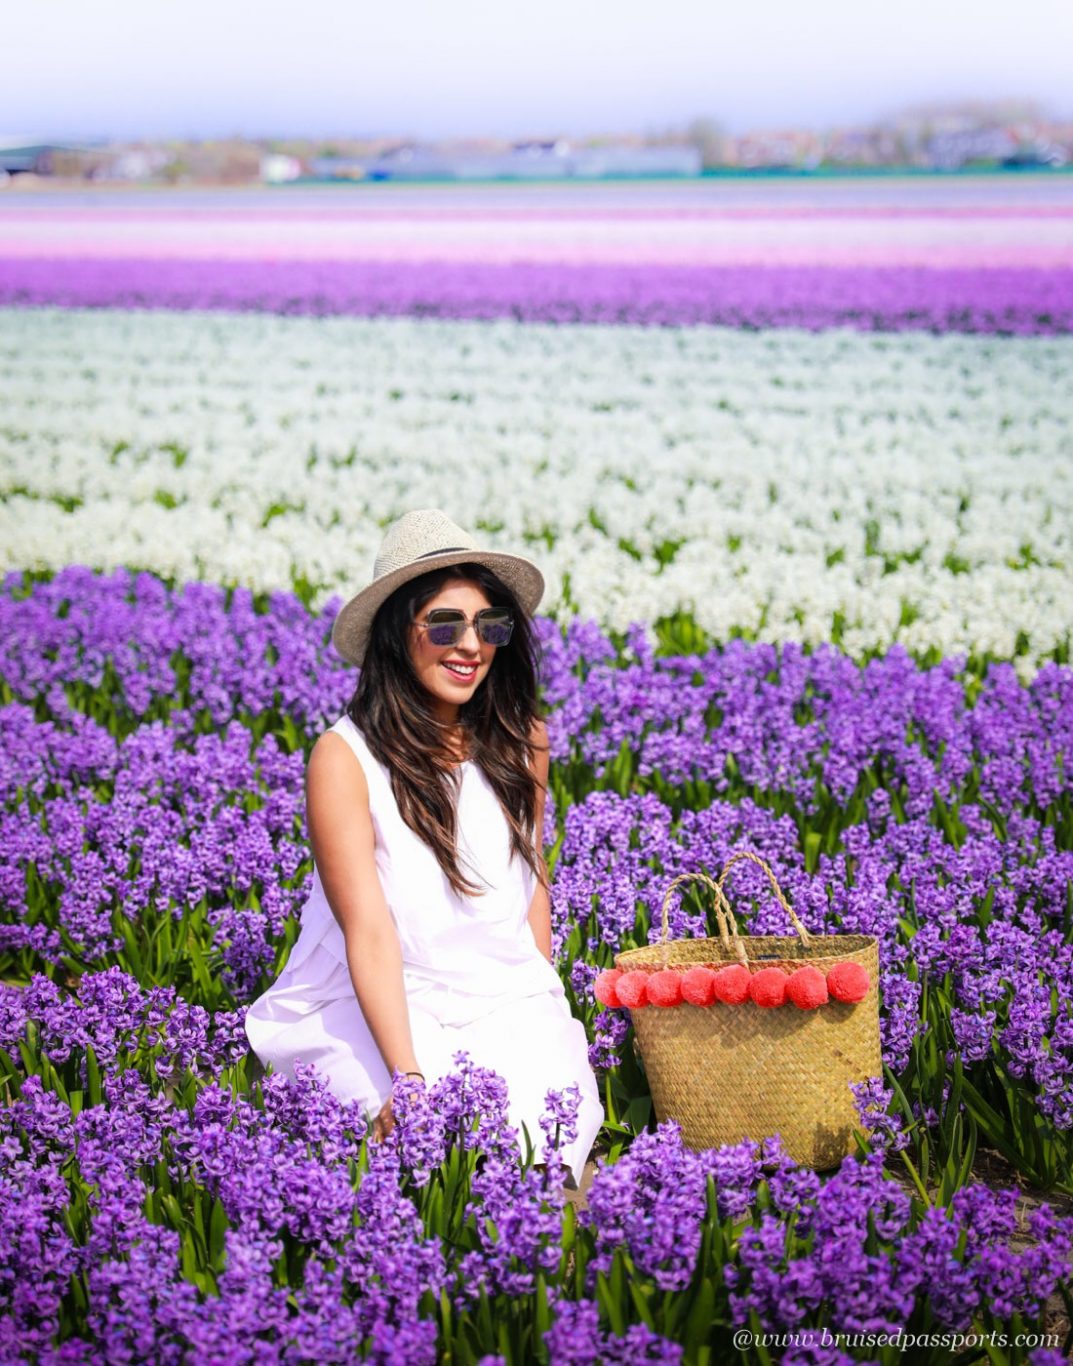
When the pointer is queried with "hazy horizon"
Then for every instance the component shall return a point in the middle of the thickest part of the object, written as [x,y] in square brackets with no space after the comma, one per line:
[121,71]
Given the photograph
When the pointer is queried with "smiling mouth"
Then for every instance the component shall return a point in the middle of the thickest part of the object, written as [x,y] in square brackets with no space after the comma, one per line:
[463,672]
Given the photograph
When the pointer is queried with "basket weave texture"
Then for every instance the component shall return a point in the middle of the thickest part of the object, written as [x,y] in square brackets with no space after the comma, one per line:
[731,1072]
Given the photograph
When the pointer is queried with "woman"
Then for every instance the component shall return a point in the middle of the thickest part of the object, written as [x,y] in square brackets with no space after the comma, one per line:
[428,928]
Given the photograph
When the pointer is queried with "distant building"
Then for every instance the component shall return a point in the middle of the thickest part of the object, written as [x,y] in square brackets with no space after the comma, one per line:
[863,147]
[950,151]
[337,168]
[532,160]
[1036,155]
[672,159]
[782,150]
[137,163]
[277,169]
[412,162]
[17,155]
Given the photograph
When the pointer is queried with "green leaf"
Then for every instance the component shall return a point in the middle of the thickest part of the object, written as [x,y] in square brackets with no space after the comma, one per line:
[610,1293]
[133,953]
[218,1226]
[51,1078]
[759,1350]
[200,968]
[991,1122]
[641,1304]
[915,1178]
[541,1308]
[701,1316]
[174,1212]
[9,1071]
[31,1062]
[78,1294]
[189,1262]
[94,1089]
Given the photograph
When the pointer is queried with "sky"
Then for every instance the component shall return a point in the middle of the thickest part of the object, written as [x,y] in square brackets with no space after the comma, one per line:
[440,68]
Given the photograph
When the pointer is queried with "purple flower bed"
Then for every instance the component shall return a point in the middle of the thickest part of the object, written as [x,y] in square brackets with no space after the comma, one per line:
[185,860]
[814,732]
[126,649]
[1006,300]
[255,1222]
[158,1202]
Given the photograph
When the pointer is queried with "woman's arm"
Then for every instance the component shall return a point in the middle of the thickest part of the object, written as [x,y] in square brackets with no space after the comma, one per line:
[341,833]
[540,905]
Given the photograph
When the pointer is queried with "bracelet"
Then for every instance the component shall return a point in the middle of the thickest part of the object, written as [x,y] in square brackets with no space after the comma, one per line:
[414,1074]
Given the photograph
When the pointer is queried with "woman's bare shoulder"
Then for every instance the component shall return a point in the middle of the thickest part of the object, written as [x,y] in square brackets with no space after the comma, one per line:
[333,766]
[340,821]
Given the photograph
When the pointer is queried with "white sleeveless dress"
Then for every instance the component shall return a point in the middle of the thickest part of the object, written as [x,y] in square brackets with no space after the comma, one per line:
[473,975]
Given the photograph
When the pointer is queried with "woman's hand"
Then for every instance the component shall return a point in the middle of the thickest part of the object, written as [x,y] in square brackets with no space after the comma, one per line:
[384,1122]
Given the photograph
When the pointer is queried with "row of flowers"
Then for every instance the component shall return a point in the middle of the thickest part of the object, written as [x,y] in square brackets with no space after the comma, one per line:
[212,1217]
[890,221]
[1004,300]
[208,836]
[180,858]
[809,730]
[153,746]
[856,489]
[160,1203]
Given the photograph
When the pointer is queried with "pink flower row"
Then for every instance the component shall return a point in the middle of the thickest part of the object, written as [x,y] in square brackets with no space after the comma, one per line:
[1008,302]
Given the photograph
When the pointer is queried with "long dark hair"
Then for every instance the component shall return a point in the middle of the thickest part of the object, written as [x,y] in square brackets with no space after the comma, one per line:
[392,709]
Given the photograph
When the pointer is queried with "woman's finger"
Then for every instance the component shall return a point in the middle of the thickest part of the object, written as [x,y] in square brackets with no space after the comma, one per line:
[384,1121]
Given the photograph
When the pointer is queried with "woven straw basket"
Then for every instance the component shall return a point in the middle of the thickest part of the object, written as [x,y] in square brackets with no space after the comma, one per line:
[730,1072]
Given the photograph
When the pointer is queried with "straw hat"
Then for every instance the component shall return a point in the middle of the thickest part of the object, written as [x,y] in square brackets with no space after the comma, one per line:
[417,543]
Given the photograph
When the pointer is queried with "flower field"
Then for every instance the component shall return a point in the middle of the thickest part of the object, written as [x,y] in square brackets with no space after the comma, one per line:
[836,487]
[809,592]
[977,255]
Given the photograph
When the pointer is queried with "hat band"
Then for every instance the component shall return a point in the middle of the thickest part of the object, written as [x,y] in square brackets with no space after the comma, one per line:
[426,555]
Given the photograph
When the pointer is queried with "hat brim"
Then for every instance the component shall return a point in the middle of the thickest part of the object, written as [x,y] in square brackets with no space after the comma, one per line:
[350,631]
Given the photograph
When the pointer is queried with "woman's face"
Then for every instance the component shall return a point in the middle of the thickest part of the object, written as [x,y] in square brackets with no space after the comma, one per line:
[452,673]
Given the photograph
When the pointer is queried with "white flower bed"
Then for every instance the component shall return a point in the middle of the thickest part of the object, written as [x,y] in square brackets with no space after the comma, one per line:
[895,481]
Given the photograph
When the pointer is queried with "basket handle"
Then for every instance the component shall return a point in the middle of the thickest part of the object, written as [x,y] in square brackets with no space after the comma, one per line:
[723,914]
[755,858]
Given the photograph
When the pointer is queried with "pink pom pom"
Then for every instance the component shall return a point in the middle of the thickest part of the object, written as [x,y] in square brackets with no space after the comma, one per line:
[768,987]
[632,989]
[698,986]
[848,982]
[731,984]
[665,988]
[807,988]
[604,988]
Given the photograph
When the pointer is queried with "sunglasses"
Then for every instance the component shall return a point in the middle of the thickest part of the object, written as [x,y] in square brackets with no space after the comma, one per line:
[447,625]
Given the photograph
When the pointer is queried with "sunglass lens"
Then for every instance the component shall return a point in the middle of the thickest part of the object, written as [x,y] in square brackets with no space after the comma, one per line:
[495,627]
[445,628]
